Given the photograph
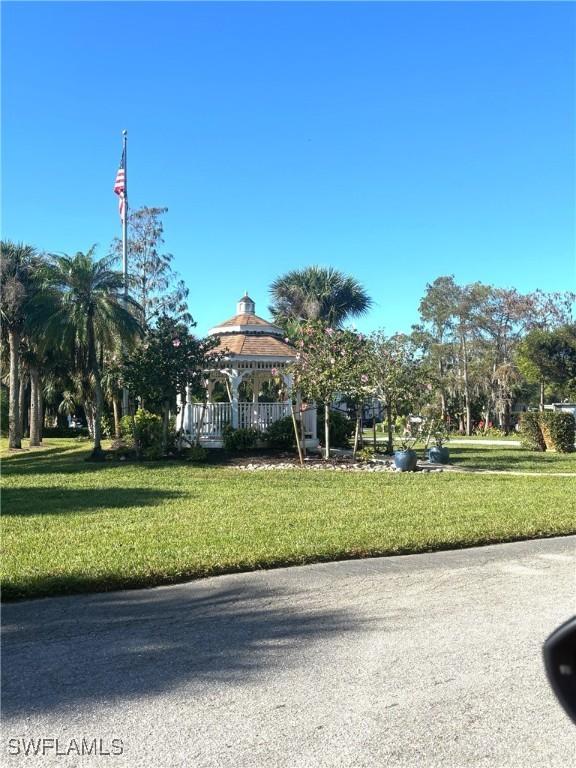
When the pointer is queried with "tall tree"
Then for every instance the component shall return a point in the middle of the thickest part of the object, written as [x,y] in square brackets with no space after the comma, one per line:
[549,357]
[394,375]
[152,281]
[170,359]
[317,293]
[18,265]
[328,367]
[90,315]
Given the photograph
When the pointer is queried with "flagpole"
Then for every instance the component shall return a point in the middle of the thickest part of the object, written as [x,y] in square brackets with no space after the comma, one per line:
[125,401]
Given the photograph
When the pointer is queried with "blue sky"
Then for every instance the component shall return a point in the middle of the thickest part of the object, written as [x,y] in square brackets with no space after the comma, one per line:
[395,141]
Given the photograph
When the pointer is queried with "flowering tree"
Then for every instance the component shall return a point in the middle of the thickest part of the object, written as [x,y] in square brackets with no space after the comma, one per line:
[394,374]
[328,366]
[170,359]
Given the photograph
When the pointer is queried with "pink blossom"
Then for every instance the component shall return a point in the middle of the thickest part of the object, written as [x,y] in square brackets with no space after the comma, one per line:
[364,378]
[176,342]
[301,343]
[287,340]
[429,387]
[274,371]
[330,331]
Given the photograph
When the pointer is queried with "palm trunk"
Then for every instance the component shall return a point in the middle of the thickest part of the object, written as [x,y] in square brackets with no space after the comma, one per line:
[97,452]
[34,409]
[116,411]
[40,414]
[14,430]
[22,403]
[327,430]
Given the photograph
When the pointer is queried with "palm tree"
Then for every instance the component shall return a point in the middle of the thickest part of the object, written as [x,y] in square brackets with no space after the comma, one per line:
[317,293]
[91,315]
[19,263]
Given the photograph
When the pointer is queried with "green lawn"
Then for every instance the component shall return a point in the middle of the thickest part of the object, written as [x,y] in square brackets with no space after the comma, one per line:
[512,459]
[71,526]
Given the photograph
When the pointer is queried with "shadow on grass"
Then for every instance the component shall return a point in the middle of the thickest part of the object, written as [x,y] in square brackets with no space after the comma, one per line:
[60,654]
[513,459]
[21,502]
[68,461]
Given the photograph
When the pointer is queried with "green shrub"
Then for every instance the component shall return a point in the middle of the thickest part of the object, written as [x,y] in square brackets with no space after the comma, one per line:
[65,432]
[530,432]
[280,434]
[239,439]
[341,429]
[107,426]
[195,453]
[145,432]
[126,428]
[367,453]
[561,428]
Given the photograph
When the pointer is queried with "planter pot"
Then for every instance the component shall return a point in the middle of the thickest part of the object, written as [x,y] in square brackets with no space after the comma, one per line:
[405,461]
[438,455]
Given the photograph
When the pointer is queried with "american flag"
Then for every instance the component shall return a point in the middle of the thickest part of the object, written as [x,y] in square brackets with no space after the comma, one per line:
[120,186]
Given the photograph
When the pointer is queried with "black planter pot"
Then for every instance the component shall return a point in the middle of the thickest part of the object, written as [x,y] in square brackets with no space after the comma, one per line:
[405,461]
[438,455]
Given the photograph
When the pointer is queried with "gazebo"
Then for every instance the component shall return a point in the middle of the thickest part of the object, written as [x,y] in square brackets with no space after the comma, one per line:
[255,354]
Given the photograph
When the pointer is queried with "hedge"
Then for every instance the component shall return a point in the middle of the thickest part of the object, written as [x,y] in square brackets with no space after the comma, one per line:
[552,430]
[530,432]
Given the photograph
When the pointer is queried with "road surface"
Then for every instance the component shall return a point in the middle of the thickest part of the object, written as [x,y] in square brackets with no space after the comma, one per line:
[426,660]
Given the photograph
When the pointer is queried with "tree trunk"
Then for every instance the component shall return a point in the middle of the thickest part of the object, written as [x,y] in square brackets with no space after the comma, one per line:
[356,435]
[97,452]
[14,431]
[302,432]
[116,411]
[542,394]
[390,447]
[165,423]
[22,403]
[467,405]
[296,434]
[34,407]
[327,430]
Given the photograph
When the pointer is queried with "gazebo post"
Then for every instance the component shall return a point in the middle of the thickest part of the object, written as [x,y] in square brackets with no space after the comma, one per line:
[235,384]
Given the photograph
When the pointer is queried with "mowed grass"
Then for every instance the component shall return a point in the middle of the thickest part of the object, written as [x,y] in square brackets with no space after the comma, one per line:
[70,526]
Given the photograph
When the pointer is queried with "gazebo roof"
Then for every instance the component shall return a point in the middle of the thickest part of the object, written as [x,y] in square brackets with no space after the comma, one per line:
[247,335]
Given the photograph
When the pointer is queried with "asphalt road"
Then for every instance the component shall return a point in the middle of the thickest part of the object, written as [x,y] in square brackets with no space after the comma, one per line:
[426,660]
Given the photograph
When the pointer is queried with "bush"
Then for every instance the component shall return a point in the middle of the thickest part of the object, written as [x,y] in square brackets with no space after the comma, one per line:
[239,439]
[107,426]
[195,453]
[280,434]
[145,432]
[530,432]
[341,429]
[65,432]
[561,429]
[554,430]
[368,453]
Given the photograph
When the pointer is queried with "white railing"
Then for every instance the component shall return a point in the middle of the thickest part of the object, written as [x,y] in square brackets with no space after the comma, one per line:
[260,415]
[211,418]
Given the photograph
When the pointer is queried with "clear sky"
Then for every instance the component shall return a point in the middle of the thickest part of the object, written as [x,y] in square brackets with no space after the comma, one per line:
[395,141]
